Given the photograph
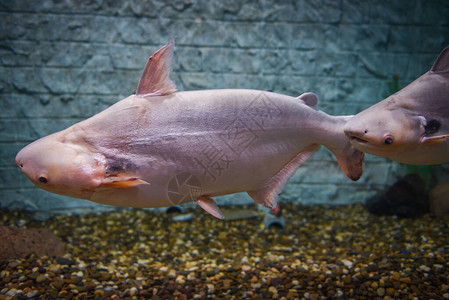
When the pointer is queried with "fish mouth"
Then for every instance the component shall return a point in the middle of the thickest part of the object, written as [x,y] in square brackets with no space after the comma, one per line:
[360,142]
[357,139]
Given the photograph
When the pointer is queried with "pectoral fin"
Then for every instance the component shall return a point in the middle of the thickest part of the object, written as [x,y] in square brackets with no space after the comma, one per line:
[209,205]
[121,182]
[127,192]
[435,140]
[267,195]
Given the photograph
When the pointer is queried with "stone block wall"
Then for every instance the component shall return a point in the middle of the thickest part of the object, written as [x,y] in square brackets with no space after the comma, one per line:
[63,61]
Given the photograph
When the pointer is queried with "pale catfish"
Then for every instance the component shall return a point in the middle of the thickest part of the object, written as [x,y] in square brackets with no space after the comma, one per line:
[412,125]
[158,148]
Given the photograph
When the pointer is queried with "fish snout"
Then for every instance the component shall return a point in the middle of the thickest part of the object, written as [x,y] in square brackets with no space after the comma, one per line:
[19,161]
[356,135]
[19,164]
[24,164]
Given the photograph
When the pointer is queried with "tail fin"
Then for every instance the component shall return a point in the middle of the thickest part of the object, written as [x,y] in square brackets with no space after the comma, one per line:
[351,161]
[349,158]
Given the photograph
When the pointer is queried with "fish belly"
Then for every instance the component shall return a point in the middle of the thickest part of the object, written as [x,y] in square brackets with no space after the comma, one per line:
[191,144]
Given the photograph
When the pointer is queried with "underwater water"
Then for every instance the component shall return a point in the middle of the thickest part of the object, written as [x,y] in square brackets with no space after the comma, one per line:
[63,61]
[324,252]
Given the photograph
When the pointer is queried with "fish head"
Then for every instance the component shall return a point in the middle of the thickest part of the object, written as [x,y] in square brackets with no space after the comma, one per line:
[385,128]
[411,124]
[56,164]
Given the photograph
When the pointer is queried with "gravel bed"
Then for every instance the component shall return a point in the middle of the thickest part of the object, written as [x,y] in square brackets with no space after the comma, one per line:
[324,252]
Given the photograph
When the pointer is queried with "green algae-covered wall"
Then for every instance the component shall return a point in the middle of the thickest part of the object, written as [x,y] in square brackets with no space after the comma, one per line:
[63,61]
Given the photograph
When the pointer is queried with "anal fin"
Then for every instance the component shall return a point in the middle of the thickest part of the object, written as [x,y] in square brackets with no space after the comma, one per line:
[209,205]
[267,195]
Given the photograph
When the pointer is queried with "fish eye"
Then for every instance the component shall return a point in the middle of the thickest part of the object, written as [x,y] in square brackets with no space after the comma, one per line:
[43,179]
[388,139]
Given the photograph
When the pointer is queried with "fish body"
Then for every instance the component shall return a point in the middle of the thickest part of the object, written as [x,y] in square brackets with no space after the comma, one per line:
[159,148]
[412,125]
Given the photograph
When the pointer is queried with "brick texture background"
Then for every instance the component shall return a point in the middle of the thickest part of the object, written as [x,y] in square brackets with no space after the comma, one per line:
[63,61]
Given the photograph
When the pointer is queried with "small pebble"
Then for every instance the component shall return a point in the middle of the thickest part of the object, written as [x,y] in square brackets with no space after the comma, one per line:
[273,290]
[424,268]
[380,292]
[32,294]
[64,261]
[396,276]
[40,278]
[246,268]
[210,289]
[13,264]
[133,291]
[181,279]
[227,284]
[11,292]
[349,264]
[191,276]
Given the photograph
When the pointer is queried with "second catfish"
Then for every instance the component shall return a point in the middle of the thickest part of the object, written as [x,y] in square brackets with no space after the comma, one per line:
[412,125]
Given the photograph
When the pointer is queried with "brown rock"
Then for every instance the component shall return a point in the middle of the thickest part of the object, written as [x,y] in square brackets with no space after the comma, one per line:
[406,198]
[439,200]
[18,243]
[41,278]
[227,284]
[405,280]
[396,276]
[415,289]
[57,283]
[292,294]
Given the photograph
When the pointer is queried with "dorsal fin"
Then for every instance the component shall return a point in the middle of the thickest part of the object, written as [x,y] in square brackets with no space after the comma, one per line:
[442,62]
[309,98]
[155,79]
